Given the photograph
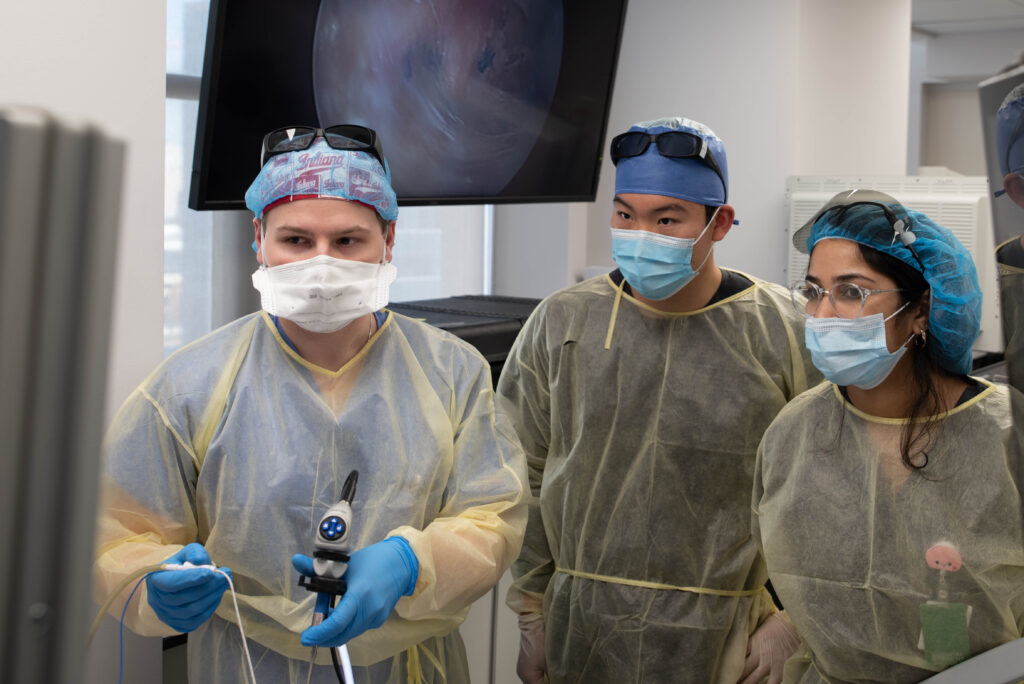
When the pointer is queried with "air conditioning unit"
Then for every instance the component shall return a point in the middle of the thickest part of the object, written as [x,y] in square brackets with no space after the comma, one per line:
[960,203]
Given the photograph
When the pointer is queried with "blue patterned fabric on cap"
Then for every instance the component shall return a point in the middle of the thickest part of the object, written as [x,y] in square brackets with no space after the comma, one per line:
[322,171]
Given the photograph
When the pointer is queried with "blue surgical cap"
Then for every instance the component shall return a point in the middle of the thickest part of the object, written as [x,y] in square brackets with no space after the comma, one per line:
[1007,118]
[954,320]
[322,171]
[687,179]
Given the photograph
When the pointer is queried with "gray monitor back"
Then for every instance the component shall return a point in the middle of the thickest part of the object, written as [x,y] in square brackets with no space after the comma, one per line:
[60,187]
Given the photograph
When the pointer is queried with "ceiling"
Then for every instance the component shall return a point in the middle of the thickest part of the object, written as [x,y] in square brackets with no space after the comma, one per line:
[964,16]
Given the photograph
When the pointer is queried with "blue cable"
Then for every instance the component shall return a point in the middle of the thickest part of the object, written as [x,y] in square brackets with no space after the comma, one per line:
[323,603]
[120,631]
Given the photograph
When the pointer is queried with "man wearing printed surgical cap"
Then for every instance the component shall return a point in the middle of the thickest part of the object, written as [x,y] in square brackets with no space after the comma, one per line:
[232,451]
[640,397]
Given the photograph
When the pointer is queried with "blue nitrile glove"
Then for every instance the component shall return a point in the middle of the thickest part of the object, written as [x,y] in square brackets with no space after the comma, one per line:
[185,599]
[377,576]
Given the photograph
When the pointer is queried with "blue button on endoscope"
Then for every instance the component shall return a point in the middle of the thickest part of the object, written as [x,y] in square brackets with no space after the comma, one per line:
[332,528]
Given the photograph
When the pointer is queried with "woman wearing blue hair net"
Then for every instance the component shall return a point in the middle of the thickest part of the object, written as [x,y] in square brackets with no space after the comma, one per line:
[887,508]
[238,444]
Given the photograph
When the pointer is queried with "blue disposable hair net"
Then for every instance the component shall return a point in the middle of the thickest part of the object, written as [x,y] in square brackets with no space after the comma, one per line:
[954,319]
[1010,132]
[322,171]
[687,179]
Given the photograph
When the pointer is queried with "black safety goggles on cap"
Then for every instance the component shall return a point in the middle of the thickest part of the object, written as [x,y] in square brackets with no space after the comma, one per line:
[675,144]
[340,137]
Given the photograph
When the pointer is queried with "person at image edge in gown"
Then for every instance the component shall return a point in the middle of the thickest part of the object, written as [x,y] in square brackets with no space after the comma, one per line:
[886,502]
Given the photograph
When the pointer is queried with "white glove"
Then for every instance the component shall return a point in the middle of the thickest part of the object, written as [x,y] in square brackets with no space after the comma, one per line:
[768,647]
[532,666]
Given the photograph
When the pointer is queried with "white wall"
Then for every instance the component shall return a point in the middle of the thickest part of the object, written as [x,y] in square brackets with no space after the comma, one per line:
[918,72]
[952,131]
[972,56]
[104,62]
[854,85]
[538,248]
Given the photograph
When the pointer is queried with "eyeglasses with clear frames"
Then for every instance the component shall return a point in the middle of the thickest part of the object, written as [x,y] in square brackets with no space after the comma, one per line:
[847,299]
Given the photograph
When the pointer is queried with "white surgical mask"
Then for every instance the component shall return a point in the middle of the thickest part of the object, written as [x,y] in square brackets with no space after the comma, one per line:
[324,294]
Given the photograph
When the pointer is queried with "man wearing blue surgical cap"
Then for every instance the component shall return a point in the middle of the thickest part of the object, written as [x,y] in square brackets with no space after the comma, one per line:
[232,451]
[640,398]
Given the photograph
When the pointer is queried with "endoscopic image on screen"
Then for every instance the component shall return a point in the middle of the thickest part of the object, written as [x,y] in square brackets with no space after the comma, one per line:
[473,83]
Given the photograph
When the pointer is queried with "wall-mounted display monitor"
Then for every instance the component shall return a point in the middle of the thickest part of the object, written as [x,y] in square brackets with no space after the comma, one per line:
[475,101]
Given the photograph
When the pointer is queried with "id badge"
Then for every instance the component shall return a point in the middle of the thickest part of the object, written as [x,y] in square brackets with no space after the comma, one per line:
[944,636]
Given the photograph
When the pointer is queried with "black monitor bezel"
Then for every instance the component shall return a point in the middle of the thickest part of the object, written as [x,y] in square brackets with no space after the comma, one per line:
[258,28]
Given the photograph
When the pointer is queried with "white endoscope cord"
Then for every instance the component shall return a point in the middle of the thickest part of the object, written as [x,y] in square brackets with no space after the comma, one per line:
[238,616]
[346,664]
[234,600]
[342,651]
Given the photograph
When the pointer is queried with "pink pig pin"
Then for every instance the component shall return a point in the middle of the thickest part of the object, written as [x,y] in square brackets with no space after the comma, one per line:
[943,556]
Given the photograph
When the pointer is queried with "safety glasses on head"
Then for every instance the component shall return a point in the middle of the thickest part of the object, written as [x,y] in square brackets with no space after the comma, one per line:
[847,299]
[340,137]
[842,202]
[675,144]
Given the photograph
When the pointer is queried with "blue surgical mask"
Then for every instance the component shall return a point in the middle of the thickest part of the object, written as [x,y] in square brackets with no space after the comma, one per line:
[852,351]
[656,266]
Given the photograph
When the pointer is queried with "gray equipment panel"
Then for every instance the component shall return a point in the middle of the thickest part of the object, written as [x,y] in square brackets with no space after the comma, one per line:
[60,187]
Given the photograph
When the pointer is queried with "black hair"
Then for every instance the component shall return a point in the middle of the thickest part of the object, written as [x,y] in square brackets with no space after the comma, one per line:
[927,402]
